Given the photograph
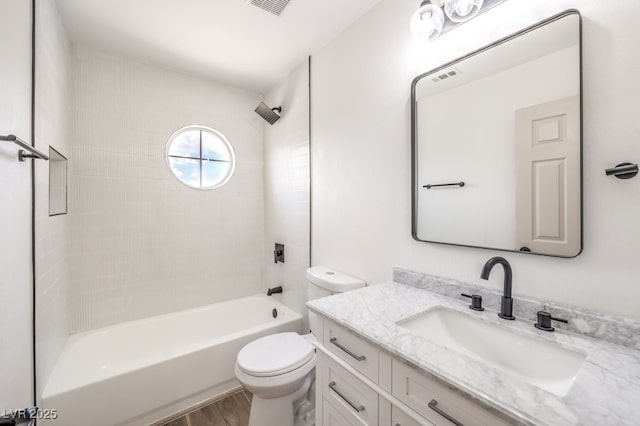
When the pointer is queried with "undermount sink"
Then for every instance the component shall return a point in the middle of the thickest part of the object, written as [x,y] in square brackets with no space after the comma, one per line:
[537,361]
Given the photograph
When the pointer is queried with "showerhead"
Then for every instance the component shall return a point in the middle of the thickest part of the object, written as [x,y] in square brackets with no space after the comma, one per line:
[269,114]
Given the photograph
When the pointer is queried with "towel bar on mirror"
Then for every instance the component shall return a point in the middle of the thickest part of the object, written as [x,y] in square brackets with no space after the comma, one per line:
[429,186]
[22,156]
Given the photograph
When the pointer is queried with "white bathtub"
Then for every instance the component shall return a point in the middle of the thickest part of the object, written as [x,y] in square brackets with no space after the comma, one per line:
[142,371]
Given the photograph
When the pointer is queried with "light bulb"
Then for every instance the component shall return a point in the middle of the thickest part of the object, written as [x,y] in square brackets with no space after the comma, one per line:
[427,22]
[464,7]
[462,10]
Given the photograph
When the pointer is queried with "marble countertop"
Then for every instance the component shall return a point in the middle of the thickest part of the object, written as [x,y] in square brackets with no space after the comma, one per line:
[605,392]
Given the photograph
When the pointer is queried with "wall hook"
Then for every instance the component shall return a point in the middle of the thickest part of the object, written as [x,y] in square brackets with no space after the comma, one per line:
[623,171]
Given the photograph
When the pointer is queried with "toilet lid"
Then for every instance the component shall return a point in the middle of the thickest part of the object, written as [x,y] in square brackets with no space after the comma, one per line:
[274,355]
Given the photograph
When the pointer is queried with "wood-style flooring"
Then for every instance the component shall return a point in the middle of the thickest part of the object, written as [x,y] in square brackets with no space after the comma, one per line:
[231,411]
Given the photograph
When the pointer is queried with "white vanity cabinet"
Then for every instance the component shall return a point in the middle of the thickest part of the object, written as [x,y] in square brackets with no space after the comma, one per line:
[400,418]
[360,385]
[351,349]
[349,395]
[435,401]
[333,417]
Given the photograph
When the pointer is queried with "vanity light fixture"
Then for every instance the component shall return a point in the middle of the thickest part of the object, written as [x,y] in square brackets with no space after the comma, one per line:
[427,22]
[436,17]
[462,10]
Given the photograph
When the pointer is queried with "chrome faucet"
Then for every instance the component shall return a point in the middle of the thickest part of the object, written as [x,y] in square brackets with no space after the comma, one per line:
[506,310]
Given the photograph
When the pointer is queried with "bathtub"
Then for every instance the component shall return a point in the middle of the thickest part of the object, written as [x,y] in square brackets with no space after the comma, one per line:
[142,371]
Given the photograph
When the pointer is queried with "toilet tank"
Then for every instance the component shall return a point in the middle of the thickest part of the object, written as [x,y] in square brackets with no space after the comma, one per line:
[322,282]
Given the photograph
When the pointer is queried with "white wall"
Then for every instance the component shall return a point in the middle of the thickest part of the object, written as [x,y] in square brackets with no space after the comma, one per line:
[480,149]
[52,128]
[362,162]
[142,243]
[16,375]
[286,183]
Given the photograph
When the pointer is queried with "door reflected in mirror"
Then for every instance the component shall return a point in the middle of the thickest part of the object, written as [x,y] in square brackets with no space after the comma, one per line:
[497,145]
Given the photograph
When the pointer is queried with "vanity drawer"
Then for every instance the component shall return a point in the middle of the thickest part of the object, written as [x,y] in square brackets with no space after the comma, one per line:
[332,417]
[352,349]
[349,395]
[399,418]
[435,401]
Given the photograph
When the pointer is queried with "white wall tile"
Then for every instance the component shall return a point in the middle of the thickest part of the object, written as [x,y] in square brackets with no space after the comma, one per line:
[52,128]
[286,182]
[141,242]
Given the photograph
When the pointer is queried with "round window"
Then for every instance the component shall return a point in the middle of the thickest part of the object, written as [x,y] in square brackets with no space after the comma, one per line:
[200,157]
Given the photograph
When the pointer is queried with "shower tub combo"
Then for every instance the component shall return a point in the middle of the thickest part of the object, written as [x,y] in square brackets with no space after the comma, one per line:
[145,370]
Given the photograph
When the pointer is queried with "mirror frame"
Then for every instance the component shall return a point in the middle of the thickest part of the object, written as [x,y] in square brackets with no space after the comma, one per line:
[414,131]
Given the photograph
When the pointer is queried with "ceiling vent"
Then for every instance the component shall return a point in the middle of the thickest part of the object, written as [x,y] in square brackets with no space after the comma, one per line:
[272,6]
[445,75]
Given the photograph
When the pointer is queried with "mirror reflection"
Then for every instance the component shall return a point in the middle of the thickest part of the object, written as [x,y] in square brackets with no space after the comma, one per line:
[497,145]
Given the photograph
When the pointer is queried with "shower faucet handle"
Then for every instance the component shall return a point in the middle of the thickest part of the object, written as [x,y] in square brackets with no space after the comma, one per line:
[278,253]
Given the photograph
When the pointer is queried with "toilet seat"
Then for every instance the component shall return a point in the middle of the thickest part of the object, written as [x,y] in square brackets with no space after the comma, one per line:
[275,355]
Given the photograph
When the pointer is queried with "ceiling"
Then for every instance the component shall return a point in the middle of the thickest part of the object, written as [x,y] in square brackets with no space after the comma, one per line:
[227,40]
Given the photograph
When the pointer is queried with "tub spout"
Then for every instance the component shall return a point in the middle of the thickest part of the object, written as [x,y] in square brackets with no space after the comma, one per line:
[274,290]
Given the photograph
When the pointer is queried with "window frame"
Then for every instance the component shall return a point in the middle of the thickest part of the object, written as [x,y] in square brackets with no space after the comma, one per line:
[201,159]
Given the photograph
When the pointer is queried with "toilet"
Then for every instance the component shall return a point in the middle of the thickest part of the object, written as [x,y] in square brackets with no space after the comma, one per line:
[280,369]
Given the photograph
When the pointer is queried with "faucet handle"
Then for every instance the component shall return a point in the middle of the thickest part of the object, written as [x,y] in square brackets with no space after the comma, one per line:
[476,301]
[544,321]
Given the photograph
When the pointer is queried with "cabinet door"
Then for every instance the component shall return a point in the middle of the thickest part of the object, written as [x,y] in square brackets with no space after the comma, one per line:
[399,418]
[352,349]
[332,417]
[439,404]
[348,394]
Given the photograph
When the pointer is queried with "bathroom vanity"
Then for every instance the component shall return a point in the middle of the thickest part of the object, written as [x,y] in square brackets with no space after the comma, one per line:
[359,384]
[394,354]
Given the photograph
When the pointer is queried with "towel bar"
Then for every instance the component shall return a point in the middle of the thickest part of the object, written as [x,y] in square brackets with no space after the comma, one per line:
[35,153]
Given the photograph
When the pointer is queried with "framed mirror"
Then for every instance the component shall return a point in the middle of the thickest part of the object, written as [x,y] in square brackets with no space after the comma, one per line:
[497,144]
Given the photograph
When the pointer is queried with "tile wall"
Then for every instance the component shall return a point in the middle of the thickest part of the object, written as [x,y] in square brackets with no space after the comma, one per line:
[52,128]
[141,242]
[286,183]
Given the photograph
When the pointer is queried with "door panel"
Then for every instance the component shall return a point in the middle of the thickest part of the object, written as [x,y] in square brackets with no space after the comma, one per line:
[15,208]
[548,177]
[548,200]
